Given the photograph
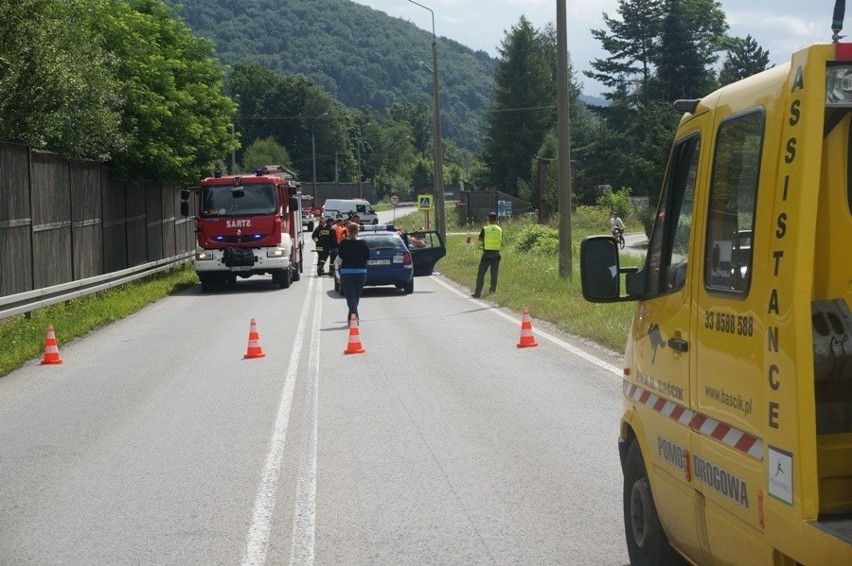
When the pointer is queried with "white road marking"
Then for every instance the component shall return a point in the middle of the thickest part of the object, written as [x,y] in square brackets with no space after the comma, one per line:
[304,522]
[264,503]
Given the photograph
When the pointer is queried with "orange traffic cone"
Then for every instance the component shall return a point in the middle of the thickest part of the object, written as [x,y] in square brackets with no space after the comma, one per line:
[254,350]
[51,350]
[354,345]
[527,338]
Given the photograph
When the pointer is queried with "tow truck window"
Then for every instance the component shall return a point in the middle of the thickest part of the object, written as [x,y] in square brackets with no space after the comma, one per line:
[668,250]
[227,200]
[733,194]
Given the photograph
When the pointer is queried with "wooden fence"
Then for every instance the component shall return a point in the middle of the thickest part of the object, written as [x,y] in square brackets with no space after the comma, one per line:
[63,220]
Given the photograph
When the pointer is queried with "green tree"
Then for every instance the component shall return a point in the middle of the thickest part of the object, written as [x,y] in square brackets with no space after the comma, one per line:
[57,84]
[247,84]
[745,58]
[691,36]
[419,117]
[265,152]
[523,108]
[176,116]
[422,175]
[631,43]
[304,118]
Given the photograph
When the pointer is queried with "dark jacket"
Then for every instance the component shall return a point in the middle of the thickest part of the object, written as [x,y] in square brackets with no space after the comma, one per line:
[353,253]
[325,238]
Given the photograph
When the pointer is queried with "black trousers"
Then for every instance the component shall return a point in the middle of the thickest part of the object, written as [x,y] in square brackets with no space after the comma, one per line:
[322,255]
[489,260]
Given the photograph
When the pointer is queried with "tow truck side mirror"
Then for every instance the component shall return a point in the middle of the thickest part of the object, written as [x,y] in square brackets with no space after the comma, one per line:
[600,272]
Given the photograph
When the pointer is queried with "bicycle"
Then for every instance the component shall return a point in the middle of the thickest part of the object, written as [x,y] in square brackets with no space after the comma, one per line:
[618,234]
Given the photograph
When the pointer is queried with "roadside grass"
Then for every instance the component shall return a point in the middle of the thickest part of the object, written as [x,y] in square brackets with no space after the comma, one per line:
[529,278]
[23,336]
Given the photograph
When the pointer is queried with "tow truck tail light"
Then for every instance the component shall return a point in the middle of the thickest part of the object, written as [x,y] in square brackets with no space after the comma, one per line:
[843,51]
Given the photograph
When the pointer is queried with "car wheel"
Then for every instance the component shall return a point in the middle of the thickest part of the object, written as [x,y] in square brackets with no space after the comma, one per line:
[646,541]
[408,288]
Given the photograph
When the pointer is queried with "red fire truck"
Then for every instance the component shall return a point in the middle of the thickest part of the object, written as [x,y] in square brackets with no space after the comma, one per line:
[247,225]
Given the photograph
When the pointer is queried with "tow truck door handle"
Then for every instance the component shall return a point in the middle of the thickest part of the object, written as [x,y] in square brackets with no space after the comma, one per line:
[678,345]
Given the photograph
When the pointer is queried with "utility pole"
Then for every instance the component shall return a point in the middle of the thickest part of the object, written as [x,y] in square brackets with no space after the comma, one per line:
[564,136]
[437,149]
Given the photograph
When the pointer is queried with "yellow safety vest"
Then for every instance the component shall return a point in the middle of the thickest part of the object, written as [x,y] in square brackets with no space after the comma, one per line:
[493,239]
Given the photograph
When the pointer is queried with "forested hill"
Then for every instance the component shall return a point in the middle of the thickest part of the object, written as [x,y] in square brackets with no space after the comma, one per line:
[362,57]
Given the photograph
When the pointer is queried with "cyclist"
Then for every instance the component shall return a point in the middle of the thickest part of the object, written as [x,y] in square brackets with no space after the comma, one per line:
[617,228]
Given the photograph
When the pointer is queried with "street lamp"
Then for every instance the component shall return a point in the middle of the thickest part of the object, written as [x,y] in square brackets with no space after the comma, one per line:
[314,149]
[437,151]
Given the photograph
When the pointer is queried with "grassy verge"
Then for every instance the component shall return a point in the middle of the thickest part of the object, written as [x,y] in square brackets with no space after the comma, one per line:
[23,336]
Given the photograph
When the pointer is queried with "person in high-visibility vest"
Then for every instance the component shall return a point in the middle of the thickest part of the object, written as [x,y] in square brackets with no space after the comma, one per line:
[491,239]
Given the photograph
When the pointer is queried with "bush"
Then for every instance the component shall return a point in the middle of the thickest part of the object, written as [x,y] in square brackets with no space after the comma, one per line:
[618,201]
[537,238]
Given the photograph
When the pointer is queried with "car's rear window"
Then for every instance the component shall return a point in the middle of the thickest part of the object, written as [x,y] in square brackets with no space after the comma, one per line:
[391,241]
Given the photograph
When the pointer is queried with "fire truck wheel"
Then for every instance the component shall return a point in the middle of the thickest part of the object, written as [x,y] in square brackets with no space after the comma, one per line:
[207,283]
[296,272]
[282,278]
[646,540]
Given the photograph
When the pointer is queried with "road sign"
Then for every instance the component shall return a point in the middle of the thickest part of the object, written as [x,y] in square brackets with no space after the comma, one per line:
[394,200]
[424,202]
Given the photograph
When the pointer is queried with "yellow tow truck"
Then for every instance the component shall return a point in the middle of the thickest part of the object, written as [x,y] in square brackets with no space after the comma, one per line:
[736,437]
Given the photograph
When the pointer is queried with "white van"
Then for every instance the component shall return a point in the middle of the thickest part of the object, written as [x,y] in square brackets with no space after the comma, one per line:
[348,207]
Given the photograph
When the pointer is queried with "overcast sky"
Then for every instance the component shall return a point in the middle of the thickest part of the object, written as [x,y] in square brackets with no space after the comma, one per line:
[779,26]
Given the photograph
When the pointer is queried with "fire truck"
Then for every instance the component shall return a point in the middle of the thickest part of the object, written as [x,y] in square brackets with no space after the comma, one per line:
[247,225]
[736,434]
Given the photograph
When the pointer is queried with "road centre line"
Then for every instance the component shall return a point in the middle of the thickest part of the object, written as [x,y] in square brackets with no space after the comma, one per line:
[304,514]
[561,343]
[264,504]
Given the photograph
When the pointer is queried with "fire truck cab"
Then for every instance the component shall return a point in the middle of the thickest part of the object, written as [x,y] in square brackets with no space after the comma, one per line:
[736,436]
[248,225]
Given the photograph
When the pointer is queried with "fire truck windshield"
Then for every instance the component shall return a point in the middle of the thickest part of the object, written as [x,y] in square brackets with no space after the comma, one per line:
[226,200]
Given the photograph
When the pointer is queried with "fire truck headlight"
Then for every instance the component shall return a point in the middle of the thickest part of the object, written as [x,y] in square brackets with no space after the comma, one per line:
[277,252]
[203,256]
[838,87]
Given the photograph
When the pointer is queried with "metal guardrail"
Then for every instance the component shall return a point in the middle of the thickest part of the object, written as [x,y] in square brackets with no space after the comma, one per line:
[29,301]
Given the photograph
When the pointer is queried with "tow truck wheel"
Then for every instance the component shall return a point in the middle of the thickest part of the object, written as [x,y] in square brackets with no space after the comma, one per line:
[646,540]
[295,272]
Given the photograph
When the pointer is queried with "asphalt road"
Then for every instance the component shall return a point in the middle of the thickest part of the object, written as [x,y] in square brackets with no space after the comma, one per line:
[155,442]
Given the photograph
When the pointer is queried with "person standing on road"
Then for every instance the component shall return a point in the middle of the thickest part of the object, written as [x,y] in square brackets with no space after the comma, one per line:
[491,239]
[326,240]
[354,254]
